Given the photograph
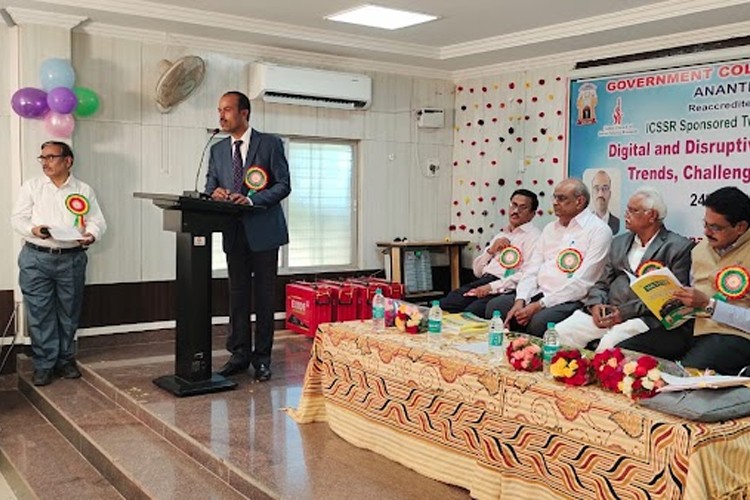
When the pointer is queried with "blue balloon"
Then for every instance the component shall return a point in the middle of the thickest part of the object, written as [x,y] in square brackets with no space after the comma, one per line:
[56,73]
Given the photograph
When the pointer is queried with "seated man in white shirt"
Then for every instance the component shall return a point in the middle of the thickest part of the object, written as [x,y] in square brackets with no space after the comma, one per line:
[566,262]
[614,313]
[500,266]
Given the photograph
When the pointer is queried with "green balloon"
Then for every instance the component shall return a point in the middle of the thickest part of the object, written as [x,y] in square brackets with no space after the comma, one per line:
[88,101]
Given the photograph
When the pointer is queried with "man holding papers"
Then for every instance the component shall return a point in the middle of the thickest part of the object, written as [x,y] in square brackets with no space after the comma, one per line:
[58,217]
[612,311]
[721,272]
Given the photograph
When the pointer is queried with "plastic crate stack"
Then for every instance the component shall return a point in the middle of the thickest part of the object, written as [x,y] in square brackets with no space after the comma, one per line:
[309,304]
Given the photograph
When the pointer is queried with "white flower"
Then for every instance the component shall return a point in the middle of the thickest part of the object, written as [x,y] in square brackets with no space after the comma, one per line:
[654,374]
[647,384]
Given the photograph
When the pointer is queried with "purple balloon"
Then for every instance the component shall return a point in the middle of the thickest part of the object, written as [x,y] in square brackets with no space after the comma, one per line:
[29,102]
[62,100]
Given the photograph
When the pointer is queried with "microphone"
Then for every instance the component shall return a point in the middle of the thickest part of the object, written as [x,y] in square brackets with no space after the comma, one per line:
[195,193]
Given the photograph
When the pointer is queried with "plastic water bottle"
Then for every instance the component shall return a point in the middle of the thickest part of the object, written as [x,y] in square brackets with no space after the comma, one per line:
[495,337]
[378,311]
[551,345]
[435,321]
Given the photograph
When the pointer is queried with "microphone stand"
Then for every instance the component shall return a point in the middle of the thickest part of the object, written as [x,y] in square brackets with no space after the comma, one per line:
[195,193]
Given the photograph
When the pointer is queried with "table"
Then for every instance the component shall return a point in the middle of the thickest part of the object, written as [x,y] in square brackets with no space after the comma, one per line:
[506,434]
[398,248]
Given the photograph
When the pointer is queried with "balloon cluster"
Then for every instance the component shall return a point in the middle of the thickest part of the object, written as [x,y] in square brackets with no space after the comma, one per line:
[57,101]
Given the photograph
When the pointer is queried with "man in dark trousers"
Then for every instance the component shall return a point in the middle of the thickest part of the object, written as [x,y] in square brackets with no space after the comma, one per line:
[250,168]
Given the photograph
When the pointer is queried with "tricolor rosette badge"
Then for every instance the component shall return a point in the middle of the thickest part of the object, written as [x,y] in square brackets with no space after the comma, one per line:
[569,260]
[647,267]
[78,205]
[733,282]
[510,259]
[256,179]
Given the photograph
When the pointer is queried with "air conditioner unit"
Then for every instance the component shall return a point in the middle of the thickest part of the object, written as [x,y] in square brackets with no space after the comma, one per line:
[309,87]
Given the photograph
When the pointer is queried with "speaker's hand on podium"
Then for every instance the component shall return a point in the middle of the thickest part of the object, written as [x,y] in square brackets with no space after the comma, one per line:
[220,194]
[238,199]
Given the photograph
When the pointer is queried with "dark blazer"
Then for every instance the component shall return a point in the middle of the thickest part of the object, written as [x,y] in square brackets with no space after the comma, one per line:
[264,229]
[614,224]
[668,248]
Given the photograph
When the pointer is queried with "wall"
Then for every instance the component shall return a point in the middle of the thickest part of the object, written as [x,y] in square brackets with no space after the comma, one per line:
[509,134]
[128,146]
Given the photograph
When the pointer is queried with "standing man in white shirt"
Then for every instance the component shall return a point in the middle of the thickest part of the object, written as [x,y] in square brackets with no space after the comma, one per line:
[52,272]
[500,266]
[567,261]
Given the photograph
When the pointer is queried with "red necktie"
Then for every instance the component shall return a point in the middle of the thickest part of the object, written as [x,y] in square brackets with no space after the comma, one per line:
[239,171]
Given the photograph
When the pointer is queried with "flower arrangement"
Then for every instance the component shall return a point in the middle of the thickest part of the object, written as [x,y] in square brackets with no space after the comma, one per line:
[408,318]
[525,355]
[642,378]
[570,367]
[607,368]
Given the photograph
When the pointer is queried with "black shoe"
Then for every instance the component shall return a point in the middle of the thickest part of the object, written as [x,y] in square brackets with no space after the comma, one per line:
[232,367]
[42,377]
[68,370]
[262,372]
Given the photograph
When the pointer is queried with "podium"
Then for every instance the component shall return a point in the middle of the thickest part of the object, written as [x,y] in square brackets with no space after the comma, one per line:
[194,220]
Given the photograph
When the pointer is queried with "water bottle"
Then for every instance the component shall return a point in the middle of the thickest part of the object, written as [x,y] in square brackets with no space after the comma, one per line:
[435,321]
[495,337]
[378,311]
[551,345]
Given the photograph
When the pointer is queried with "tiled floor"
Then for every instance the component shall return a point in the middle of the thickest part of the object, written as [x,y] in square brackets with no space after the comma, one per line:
[247,427]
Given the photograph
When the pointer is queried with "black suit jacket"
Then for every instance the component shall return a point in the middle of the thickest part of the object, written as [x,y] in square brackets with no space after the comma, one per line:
[668,248]
[264,229]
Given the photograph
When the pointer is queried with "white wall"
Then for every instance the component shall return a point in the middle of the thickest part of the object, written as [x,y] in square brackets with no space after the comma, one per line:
[129,146]
[6,249]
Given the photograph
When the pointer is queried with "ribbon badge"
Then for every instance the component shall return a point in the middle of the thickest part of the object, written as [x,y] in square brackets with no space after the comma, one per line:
[733,282]
[569,260]
[647,267]
[256,179]
[509,259]
[78,205]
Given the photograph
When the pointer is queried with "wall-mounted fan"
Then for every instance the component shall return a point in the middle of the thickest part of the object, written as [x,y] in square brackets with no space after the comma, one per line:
[178,81]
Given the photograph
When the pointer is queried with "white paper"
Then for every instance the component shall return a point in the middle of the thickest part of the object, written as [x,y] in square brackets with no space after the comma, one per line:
[705,382]
[65,233]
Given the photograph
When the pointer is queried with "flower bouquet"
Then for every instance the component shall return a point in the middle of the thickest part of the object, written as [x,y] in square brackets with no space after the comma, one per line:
[607,367]
[408,318]
[525,355]
[570,367]
[641,378]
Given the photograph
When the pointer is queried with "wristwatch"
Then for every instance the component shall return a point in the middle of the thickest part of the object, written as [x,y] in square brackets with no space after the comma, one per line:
[541,303]
[711,307]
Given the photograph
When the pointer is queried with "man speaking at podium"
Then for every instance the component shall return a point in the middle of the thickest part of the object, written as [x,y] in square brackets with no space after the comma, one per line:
[249,168]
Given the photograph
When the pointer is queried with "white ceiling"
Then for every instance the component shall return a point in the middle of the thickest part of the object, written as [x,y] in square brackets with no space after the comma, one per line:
[468,35]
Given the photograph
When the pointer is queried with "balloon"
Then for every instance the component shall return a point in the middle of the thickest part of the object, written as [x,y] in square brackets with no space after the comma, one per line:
[56,73]
[88,101]
[59,125]
[29,102]
[61,100]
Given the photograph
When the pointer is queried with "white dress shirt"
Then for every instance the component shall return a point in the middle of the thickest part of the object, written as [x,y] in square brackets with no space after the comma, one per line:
[41,203]
[586,233]
[524,237]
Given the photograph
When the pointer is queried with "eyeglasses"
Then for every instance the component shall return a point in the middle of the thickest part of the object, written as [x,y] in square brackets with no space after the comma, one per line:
[516,207]
[636,211]
[45,158]
[714,228]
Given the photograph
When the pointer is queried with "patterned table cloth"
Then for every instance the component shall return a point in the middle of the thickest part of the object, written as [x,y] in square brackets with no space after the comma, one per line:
[454,416]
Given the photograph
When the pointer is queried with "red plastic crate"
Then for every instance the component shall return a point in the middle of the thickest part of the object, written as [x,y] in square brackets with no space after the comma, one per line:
[345,297]
[307,306]
[367,287]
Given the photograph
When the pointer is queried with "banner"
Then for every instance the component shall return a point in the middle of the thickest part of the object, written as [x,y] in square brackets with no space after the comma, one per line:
[684,131]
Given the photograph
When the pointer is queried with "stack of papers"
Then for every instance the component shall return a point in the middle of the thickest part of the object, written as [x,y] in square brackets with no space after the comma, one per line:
[705,382]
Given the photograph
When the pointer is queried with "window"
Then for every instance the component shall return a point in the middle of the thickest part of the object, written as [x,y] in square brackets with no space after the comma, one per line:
[321,208]
[320,212]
